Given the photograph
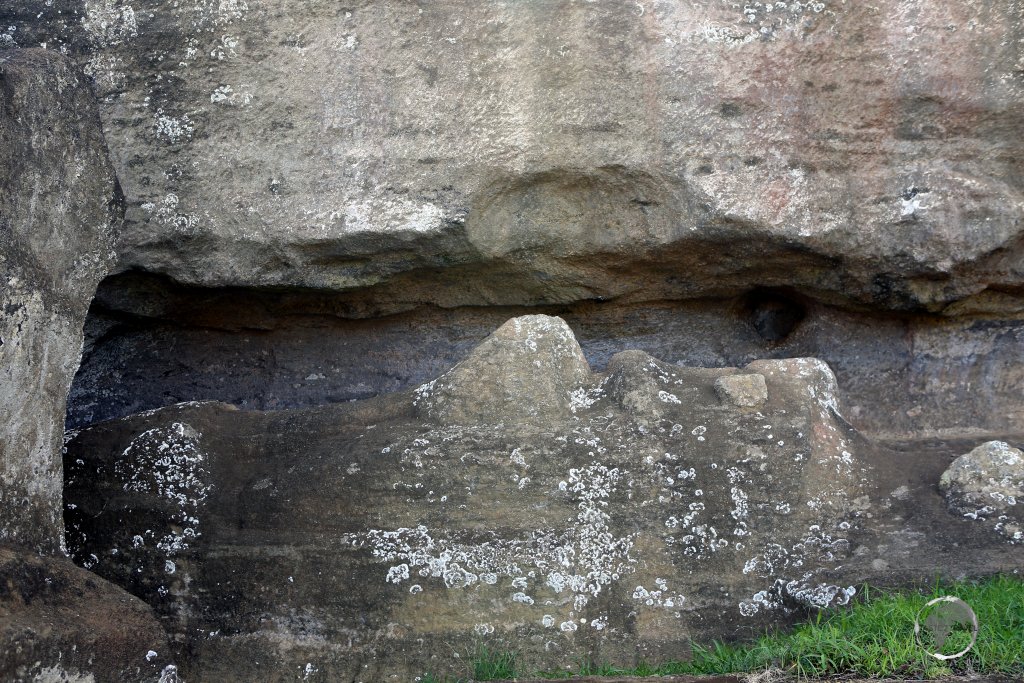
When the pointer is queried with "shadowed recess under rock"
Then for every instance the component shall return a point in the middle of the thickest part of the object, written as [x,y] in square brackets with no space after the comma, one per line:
[151,343]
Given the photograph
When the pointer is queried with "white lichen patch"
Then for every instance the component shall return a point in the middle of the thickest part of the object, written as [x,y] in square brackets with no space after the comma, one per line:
[106,71]
[7,38]
[167,213]
[168,462]
[229,10]
[765,20]
[785,595]
[987,484]
[659,596]
[227,95]
[226,48]
[666,397]
[109,22]
[173,129]
[424,391]
[583,398]
[582,559]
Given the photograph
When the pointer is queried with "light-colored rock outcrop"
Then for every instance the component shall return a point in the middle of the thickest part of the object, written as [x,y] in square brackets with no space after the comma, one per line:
[58,214]
[553,151]
[58,207]
[530,370]
[987,485]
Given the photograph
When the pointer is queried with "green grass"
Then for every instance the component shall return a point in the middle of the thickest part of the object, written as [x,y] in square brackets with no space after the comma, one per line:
[874,637]
[486,665]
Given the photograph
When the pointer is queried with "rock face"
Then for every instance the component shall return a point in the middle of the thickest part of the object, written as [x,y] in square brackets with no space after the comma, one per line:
[328,202]
[58,211]
[617,516]
[61,623]
[988,484]
[530,371]
[563,150]
[58,205]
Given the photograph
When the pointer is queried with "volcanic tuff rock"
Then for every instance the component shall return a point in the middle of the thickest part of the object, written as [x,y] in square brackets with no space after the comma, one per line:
[528,371]
[988,483]
[61,623]
[522,153]
[58,210]
[58,207]
[371,540]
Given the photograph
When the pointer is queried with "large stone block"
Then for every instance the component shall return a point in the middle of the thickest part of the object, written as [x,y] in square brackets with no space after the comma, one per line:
[554,151]
[58,211]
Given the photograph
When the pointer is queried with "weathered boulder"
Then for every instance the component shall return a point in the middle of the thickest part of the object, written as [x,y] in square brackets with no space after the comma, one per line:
[745,391]
[371,540]
[58,210]
[61,623]
[988,484]
[563,150]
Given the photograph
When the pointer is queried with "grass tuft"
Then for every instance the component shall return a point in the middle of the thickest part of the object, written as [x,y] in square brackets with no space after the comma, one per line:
[872,638]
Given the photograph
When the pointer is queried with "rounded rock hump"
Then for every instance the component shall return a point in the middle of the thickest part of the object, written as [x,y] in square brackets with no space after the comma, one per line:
[988,483]
[524,372]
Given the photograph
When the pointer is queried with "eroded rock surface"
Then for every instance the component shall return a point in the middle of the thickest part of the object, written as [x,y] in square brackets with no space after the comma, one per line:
[58,212]
[557,151]
[530,371]
[151,343]
[370,540]
[988,484]
[63,624]
[58,207]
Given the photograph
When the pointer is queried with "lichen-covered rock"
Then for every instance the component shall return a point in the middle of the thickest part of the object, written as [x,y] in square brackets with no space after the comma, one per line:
[987,485]
[556,151]
[58,209]
[370,540]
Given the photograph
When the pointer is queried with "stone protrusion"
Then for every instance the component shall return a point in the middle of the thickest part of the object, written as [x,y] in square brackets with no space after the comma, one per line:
[525,372]
[987,484]
[742,391]
[58,211]
[810,378]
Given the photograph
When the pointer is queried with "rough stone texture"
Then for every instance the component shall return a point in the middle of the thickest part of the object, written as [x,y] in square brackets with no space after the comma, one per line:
[988,484]
[563,150]
[744,391]
[371,540]
[531,370]
[57,211]
[62,624]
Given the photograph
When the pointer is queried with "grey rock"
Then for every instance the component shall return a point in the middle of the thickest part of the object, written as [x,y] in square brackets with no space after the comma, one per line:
[151,343]
[58,211]
[60,623]
[375,538]
[987,485]
[528,371]
[59,205]
[743,391]
[559,151]
[810,376]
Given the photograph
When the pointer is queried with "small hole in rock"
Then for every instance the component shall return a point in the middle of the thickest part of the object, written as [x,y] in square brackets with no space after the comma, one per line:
[774,314]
